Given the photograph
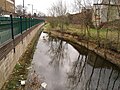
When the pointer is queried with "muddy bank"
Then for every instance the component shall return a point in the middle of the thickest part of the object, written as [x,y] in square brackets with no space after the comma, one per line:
[21,69]
[109,55]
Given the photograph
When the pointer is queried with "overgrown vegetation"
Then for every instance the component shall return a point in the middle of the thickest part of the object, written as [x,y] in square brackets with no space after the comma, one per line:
[58,16]
[105,35]
[20,71]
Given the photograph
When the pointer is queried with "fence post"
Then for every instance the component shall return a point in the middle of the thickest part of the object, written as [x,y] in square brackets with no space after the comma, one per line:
[26,22]
[0,39]
[29,22]
[21,24]
[12,32]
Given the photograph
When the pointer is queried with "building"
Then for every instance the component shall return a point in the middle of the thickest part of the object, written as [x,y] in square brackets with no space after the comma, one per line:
[106,10]
[82,18]
[7,6]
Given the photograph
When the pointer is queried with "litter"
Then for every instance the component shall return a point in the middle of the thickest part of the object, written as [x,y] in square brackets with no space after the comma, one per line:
[29,68]
[22,82]
[44,85]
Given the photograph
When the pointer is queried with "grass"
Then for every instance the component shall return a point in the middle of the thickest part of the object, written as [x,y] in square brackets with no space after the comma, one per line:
[112,36]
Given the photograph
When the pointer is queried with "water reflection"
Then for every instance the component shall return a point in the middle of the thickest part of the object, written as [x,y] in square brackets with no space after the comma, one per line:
[68,66]
[95,74]
[58,52]
[88,72]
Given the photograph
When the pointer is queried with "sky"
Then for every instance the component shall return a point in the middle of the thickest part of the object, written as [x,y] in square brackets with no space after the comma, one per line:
[44,5]
[41,5]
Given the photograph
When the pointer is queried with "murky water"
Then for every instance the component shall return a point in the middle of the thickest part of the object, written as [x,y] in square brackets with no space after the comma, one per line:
[65,68]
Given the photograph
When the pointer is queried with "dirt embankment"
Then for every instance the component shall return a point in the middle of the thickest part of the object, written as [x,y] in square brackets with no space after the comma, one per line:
[21,69]
[109,55]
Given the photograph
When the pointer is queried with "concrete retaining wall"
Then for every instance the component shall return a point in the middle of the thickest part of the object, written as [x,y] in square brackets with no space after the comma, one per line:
[9,58]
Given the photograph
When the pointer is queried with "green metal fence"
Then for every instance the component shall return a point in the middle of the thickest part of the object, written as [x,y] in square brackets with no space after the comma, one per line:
[19,24]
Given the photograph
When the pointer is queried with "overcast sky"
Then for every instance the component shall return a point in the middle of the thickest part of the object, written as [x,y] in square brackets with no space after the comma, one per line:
[43,5]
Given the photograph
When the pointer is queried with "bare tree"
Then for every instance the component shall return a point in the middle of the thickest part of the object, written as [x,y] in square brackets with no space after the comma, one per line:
[41,14]
[52,10]
[77,5]
[58,13]
[61,11]
[19,9]
[51,19]
[84,7]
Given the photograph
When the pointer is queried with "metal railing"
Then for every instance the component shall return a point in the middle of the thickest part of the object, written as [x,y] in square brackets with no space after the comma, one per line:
[13,26]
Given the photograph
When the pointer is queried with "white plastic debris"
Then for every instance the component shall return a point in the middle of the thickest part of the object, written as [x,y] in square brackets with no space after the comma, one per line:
[22,82]
[44,85]
[29,68]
